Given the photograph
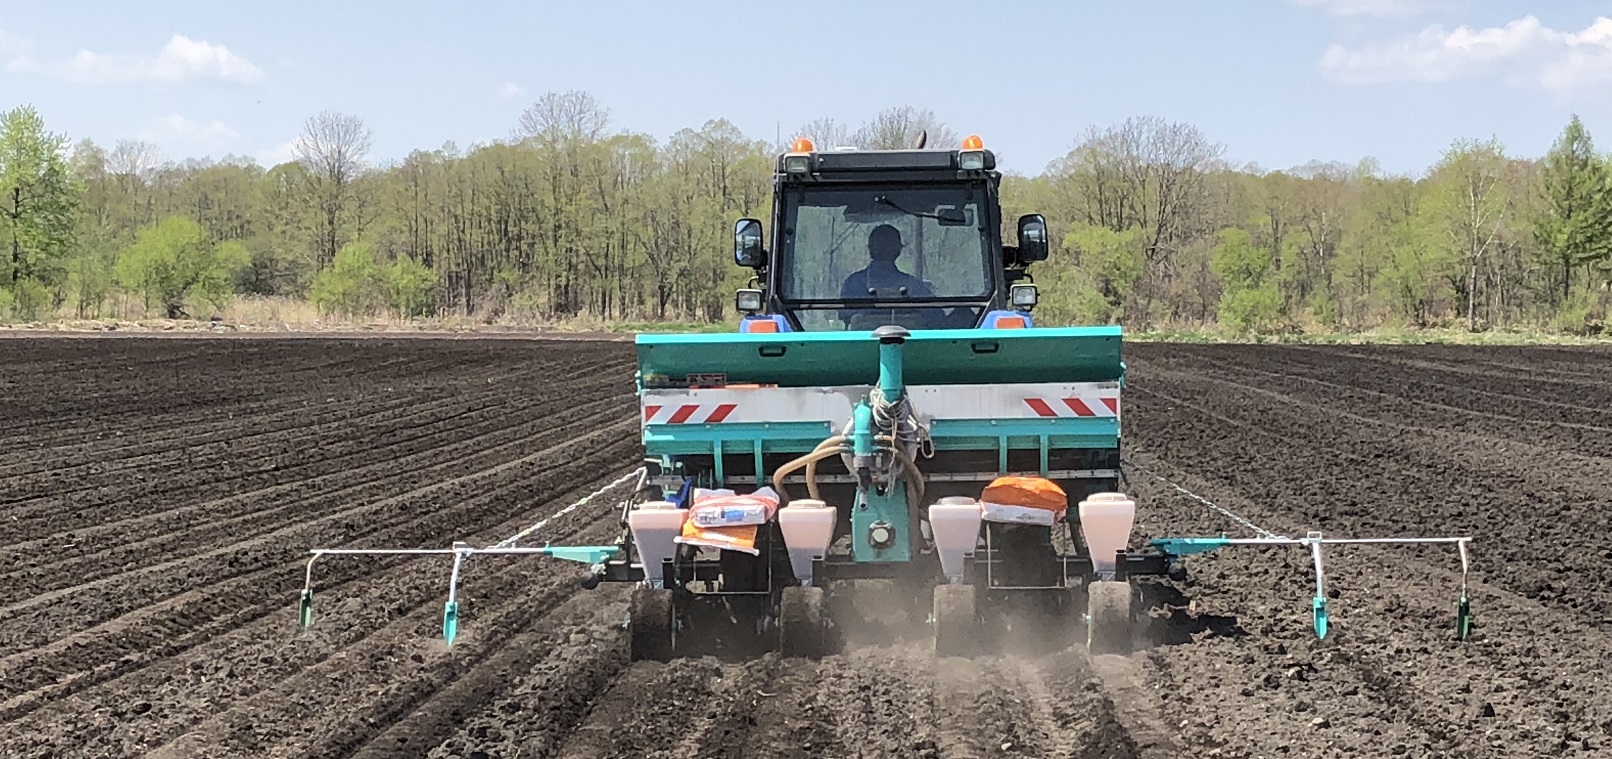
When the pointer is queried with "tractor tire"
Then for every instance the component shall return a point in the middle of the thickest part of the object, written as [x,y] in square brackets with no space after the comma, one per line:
[652,624]
[1109,617]
[956,621]
[802,623]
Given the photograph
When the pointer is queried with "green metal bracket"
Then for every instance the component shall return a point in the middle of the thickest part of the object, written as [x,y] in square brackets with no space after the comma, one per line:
[891,383]
[929,357]
[890,508]
[305,608]
[1189,546]
[1320,614]
[589,555]
[1463,617]
[862,430]
[450,621]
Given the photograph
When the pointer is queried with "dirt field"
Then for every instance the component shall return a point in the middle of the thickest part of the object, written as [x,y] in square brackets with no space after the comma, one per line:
[158,497]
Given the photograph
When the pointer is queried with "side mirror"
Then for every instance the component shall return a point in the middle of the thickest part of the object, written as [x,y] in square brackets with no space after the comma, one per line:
[748,248]
[1033,242]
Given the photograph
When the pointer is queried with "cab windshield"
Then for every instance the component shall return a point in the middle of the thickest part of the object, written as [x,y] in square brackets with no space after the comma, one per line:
[869,254]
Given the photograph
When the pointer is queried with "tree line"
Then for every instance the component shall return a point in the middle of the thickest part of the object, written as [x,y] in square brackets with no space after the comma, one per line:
[1153,227]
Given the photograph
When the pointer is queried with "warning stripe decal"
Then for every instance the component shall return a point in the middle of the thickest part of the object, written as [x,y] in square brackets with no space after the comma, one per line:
[1067,407]
[835,405]
[689,413]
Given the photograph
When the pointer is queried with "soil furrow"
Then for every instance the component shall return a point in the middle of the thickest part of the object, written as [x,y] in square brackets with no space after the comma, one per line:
[189,477]
[117,548]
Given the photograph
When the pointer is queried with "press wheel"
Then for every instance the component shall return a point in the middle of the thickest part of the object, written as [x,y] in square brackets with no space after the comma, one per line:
[650,621]
[1109,618]
[802,623]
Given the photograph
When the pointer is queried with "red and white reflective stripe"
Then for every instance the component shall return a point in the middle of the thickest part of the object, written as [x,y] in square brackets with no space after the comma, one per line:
[834,405]
[1072,407]
[689,413]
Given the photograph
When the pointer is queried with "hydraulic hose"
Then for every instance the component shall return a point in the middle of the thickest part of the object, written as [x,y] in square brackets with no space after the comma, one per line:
[837,442]
[810,459]
[837,446]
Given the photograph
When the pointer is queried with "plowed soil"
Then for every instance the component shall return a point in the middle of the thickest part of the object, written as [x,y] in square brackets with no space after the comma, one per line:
[158,498]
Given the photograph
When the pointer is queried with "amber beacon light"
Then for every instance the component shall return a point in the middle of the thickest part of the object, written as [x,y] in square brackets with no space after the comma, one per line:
[972,156]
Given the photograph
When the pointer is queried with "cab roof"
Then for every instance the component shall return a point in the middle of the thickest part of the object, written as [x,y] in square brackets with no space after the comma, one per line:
[851,161]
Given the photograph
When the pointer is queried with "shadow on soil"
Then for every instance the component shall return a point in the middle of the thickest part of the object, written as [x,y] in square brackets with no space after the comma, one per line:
[1181,624]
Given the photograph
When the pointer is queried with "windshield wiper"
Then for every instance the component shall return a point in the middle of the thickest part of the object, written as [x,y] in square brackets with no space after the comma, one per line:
[953,217]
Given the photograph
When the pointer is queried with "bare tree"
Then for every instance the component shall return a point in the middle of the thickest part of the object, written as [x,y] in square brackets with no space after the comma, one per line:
[1471,189]
[898,128]
[333,147]
[136,159]
[573,115]
[825,133]
[1151,175]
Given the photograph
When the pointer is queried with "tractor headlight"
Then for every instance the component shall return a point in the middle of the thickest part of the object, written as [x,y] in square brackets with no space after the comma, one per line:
[1024,296]
[797,164]
[971,160]
[748,301]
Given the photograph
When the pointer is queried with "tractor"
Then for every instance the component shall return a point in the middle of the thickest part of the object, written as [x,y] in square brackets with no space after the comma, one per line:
[887,370]
[886,412]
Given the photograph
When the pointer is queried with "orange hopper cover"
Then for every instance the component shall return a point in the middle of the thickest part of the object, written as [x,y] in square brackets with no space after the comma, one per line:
[1029,492]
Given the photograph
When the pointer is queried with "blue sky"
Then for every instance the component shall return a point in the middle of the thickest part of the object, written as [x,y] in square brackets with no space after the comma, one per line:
[1278,82]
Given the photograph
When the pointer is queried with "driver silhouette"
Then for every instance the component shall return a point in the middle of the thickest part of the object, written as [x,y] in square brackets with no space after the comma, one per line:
[881,274]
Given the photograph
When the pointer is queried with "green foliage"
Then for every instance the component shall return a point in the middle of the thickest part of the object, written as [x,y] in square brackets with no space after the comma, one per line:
[25,300]
[1583,313]
[1069,296]
[408,286]
[578,222]
[1416,275]
[39,198]
[173,261]
[89,284]
[1112,260]
[1576,226]
[350,287]
[1469,200]
[1239,263]
[359,284]
[1254,309]
[1249,300]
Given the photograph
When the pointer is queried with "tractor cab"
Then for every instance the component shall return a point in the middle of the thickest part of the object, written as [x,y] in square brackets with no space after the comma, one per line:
[869,238]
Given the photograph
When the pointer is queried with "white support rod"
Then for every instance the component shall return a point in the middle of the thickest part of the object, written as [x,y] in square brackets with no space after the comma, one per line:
[1464,567]
[1309,541]
[1320,577]
[422,551]
[453,579]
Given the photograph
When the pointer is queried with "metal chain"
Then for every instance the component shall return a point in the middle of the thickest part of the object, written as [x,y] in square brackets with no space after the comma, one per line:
[510,542]
[1260,531]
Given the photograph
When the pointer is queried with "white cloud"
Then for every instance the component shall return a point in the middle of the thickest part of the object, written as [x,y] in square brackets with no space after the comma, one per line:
[1377,8]
[282,153]
[12,45]
[188,135]
[510,90]
[15,52]
[1524,53]
[181,59]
